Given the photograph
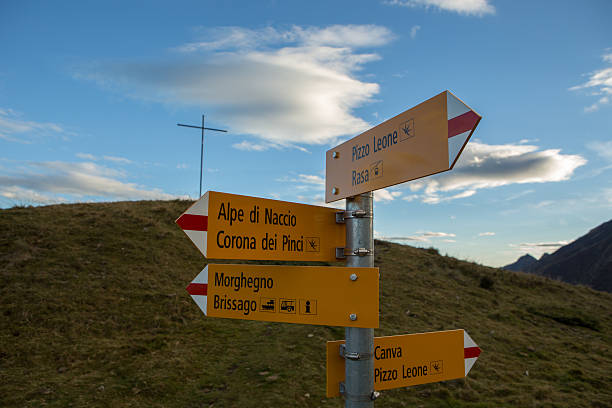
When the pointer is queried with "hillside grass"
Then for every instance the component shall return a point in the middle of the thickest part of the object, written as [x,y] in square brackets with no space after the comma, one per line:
[94,313]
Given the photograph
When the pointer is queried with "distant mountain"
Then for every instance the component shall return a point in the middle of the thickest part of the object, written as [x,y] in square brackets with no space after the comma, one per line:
[586,261]
[522,264]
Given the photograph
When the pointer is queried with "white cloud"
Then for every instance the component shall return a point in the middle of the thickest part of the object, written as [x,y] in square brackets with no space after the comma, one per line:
[248,146]
[15,129]
[537,249]
[114,159]
[520,194]
[21,196]
[56,181]
[385,195]
[422,236]
[311,179]
[486,234]
[301,92]
[319,199]
[413,31]
[231,38]
[484,166]
[468,7]
[603,149]
[599,84]
[86,156]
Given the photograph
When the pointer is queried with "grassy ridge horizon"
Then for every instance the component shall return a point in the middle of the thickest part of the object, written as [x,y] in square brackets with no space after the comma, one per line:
[94,312]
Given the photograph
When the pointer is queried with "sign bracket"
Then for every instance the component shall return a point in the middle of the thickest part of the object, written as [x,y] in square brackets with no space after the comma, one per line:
[373,396]
[354,355]
[342,216]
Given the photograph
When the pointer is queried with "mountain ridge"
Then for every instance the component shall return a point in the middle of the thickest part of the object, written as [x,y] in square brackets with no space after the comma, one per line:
[586,260]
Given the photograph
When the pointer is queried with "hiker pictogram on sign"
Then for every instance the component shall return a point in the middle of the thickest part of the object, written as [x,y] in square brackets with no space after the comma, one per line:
[312,244]
[406,130]
[436,367]
[308,307]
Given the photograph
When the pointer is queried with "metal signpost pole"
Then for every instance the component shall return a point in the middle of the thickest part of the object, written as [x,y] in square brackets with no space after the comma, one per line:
[359,348]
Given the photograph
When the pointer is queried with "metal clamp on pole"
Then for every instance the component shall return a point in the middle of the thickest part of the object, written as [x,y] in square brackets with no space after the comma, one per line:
[342,216]
[362,252]
[358,398]
[353,356]
[342,253]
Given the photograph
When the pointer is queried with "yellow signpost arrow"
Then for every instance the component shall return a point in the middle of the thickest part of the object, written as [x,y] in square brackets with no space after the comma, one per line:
[411,359]
[322,295]
[230,226]
[421,141]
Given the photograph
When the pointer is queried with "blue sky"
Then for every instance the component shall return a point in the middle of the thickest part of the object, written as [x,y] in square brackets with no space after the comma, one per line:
[91,92]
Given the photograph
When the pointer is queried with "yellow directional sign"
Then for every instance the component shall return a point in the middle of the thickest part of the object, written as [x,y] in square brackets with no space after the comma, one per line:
[230,226]
[411,359]
[421,141]
[323,295]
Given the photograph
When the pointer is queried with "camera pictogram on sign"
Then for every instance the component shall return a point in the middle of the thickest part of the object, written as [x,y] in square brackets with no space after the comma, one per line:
[376,169]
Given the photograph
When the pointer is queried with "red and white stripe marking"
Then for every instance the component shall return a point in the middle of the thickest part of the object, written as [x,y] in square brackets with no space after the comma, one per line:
[198,289]
[461,123]
[194,222]
[471,351]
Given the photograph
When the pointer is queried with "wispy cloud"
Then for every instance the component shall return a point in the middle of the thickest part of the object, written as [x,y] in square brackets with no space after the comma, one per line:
[287,88]
[537,249]
[599,84]
[57,181]
[248,146]
[520,194]
[319,199]
[486,234]
[483,166]
[15,129]
[306,183]
[413,31]
[421,236]
[239,38]
[385,195]
[114,159]
[467,7]
[603,149]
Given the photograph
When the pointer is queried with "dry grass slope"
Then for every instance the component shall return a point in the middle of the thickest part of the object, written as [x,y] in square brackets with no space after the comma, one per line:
[93,312]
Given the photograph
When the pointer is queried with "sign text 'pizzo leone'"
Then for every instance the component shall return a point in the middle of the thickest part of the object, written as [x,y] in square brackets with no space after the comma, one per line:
[410,359]
[421,141]
[230,226]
